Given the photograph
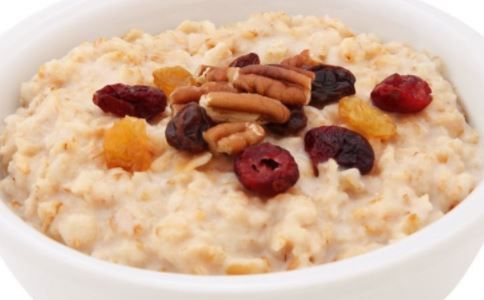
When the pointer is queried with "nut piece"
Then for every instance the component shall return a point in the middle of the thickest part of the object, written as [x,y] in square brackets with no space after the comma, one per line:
[214,73]
[232,138]
[288,86]
[304,72]
[278,73]
[184,95]
[231,107]
[246,60]
[302,60]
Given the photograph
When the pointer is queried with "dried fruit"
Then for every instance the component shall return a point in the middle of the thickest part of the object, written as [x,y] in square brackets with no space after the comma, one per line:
[246,60]
[348,148]
[331,84]
[297,122]
[168,79]
[266,169]
[364,118]
[185,131]
[127,145]
[402,94]
[137,101]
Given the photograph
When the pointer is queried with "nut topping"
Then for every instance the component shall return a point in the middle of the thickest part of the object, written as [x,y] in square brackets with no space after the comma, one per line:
[232,138]
[302,60]
[184,95]
[278,73]
[214,73]
[230,107]
[246,60]
[281,83]
[286,93]
[296,69]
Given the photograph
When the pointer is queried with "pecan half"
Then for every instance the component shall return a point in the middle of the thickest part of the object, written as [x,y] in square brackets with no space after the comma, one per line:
[278,73]
[302,60]
[281,83]
[246,60]
[232,138]
[231,107]
[210,73]
[307,73]
[187,94]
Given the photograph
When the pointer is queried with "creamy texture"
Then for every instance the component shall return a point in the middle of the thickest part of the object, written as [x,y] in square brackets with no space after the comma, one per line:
[189,213]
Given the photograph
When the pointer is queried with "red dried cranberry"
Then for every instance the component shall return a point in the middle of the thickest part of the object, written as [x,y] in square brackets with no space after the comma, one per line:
[245,60]
[297,122]
[185,131]
[137,101]
[331,84]
[266,169]
[348,148]
[402,94]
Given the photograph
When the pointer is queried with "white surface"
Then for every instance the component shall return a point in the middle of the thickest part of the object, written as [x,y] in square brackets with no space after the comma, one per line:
[470,288]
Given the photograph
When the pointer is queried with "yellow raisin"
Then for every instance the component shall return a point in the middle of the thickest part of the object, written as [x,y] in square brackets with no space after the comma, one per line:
[127,145]
[168,79]
[361,116]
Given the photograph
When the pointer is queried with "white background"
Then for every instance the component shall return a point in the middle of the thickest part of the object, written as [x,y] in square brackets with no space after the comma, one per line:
[469,11]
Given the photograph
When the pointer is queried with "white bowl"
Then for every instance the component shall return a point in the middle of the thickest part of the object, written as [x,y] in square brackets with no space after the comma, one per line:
[426,265]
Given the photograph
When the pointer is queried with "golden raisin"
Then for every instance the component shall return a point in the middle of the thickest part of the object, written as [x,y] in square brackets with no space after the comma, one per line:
[127,145]
[168,79]
[361,116]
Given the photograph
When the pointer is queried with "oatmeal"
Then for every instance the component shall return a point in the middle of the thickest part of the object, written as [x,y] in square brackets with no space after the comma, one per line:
[269,145]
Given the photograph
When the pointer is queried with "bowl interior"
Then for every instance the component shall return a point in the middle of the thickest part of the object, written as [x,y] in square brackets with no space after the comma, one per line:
[54,32]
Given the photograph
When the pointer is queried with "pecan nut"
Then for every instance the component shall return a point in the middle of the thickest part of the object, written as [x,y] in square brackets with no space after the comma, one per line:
[232,138]
[210,73]
[307,73]
[187,94]
[302,60]
[283,83]
[278,73]
[231,107]
[246,60]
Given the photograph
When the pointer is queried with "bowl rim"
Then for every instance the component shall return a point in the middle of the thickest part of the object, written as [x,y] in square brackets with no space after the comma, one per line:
[468,214]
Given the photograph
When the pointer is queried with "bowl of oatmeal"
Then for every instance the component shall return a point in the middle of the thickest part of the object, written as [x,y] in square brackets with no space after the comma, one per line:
[232,150]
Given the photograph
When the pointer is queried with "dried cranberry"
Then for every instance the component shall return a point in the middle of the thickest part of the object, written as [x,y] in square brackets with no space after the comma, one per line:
[137,101]
[402,94]
[266,169]
[245,60]
[185,131]
[331,84]
[348,148]
[297,122]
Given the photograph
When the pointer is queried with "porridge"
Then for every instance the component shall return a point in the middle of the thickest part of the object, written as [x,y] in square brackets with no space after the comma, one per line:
[268,145]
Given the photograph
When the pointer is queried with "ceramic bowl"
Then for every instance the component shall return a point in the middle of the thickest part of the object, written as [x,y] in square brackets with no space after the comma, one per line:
[426,265]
